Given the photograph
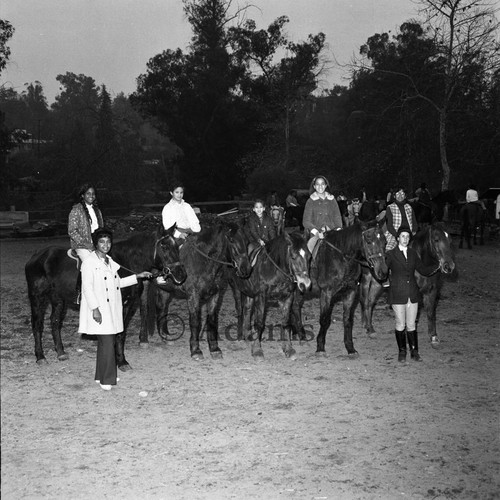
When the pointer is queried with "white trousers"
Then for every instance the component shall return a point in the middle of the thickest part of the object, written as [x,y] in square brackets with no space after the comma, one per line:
[406,314]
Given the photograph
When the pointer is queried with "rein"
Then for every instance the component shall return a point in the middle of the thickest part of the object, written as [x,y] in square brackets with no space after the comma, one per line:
[363,263]
[213,259]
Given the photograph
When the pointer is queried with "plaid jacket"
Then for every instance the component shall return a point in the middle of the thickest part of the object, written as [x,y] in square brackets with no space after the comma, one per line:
[394,221]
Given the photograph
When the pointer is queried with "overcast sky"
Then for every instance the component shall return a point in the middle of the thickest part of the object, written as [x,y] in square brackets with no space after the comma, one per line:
[112,40]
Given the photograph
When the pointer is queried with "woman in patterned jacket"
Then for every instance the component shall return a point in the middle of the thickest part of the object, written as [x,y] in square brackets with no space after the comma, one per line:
[84,219]
[399,213]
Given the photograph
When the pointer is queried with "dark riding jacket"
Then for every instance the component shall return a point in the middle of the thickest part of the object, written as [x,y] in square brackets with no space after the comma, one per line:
[260,228]
[402,275]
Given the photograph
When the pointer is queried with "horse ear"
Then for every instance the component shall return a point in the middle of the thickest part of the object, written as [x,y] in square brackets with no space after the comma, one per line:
[166,232]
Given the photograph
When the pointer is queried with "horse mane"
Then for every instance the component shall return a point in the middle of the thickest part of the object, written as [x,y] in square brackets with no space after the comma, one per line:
[277,248]
[348,239]
[421,242]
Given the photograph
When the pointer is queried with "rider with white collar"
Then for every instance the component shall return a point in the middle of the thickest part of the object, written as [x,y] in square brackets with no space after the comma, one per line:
[321,212]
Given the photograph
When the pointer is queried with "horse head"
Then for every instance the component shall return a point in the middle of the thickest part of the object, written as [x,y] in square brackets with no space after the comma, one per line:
[237,246]
[440,247]
[166,255]
[299,257]
[373,251]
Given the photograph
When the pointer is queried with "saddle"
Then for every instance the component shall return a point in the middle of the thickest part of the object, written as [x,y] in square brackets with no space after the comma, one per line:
[254,250]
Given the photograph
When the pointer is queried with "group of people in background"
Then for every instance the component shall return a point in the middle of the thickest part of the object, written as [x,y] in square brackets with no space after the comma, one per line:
[98,284]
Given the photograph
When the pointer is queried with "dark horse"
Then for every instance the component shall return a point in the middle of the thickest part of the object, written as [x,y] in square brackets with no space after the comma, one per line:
[280,269]
[433,245]
[340,258]
[434,210]
[51,276]
[369,210]
[205,255]
[473,218]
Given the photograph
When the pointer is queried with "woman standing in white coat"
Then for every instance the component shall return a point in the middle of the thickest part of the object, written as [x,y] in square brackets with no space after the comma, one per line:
[101,310]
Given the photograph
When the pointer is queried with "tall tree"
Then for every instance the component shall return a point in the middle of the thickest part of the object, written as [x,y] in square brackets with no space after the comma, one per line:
[194,98]
[278,86]
[6,33]
[466,32]
[219,100]
[465,49]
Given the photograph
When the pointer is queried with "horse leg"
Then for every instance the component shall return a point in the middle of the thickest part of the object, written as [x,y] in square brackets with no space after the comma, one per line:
[129,308]
[39,303]
[213,327]
[350,301]
[430,300]
[369,290]
[297,324]
[194,307]
[59,309]
[325,318]
[259,324]
[246,320]
[287,340]
[147,308]
[238,305]
[162,302]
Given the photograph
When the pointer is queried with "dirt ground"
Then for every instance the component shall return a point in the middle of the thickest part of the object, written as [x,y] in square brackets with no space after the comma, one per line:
[313,428]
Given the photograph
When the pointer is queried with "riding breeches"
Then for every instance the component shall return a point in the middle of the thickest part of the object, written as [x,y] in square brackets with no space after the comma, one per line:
[406,315]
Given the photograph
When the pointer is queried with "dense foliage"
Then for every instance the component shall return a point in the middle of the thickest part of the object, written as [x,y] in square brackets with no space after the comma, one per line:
[239,111]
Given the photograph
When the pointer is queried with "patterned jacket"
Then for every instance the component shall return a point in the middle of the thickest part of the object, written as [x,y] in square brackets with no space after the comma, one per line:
[79,227]
[395,220]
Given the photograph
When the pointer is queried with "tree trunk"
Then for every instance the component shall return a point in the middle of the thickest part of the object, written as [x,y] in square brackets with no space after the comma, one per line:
[287,136]
[445,181]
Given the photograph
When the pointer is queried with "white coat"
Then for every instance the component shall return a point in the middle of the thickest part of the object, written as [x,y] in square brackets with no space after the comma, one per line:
[101,288]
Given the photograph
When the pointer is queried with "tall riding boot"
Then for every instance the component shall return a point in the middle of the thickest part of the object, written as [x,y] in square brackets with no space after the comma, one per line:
[78,289]
[413,343]
[401,340]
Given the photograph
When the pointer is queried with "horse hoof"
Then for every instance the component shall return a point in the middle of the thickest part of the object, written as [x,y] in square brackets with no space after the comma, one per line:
[63,357]
[435,342]
[216,354]
[353,355]
[371,335]
[42,361]
[321,354]
[198,356]
[144,345]
[259,355]
[124,368]
[290,354]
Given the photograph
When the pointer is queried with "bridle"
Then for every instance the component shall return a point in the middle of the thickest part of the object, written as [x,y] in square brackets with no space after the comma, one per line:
[290,276]
[167,271]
